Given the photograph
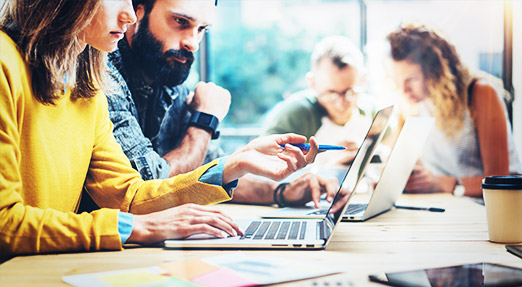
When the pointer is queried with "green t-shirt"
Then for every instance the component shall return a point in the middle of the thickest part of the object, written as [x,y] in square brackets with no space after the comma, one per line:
[300,114]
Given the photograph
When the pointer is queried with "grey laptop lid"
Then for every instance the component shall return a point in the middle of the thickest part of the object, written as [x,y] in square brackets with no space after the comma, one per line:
[398,167]
[379,126]
[318,231]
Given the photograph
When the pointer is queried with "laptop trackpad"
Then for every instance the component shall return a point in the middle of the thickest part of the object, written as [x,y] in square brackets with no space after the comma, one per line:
[200,236]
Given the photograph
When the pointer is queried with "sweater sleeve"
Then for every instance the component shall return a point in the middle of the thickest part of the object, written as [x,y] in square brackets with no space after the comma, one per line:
[113,183]
[26,229]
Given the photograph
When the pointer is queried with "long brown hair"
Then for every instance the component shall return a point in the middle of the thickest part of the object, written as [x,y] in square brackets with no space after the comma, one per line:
[47,33]
[446,77]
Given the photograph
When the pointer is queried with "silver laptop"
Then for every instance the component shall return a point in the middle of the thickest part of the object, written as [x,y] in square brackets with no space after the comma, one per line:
[392,179]
[300,234]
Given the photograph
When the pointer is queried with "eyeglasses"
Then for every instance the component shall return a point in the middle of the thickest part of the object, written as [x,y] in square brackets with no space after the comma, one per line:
[349,95]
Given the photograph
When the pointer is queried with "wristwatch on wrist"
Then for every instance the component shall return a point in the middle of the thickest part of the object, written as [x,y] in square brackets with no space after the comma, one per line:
[459,190]
[205,121]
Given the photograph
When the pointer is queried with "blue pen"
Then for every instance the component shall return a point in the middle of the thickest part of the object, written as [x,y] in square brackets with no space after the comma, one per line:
[321,147]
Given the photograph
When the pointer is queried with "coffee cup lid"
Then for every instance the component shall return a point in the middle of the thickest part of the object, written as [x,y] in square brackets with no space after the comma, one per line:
[502,182]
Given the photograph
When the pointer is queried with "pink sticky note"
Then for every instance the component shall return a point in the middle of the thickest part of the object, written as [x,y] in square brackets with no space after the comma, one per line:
[223,277]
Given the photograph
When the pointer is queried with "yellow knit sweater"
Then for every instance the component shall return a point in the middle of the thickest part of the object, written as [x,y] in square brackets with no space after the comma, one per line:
[50,153]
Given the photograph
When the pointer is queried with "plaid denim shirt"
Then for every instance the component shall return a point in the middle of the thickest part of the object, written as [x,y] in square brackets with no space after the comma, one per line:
[149,120]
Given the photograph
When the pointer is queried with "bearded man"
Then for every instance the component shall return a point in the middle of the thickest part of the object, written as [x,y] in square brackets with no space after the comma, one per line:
[163,128]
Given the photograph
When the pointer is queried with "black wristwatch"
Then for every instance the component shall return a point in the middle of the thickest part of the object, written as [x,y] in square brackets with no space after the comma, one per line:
[205,121]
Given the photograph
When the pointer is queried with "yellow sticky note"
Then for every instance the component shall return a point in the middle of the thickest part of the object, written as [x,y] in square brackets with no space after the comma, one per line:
[134,278]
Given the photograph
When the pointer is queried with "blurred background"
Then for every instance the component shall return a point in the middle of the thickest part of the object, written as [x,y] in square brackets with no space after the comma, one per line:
[259,49]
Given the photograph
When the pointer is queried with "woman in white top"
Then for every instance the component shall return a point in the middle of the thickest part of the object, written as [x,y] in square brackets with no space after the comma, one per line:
[472,138]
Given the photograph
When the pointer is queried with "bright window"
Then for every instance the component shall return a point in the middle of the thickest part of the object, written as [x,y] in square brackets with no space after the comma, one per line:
[259,49]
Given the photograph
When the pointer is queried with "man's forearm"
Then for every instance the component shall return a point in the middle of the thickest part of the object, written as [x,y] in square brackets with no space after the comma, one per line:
[190,154]
[254,189]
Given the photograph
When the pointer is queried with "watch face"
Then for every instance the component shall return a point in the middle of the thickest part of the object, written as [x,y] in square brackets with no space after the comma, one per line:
[205,119]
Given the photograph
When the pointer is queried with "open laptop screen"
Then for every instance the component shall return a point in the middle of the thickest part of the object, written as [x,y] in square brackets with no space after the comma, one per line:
[359,164]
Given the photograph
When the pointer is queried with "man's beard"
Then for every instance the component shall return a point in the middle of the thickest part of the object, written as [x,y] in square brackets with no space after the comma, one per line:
[158,67]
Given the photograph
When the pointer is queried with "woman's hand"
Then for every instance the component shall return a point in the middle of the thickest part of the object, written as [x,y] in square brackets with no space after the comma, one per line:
[423,180]
[264,156]
[181,222]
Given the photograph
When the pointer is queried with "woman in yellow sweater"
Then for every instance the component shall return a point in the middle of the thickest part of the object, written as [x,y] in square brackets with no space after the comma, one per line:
[56,140]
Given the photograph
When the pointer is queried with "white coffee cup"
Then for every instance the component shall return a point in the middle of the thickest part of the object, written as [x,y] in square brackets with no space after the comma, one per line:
[503,200]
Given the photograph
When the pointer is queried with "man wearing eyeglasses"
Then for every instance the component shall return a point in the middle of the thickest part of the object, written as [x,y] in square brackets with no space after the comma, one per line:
[330,108]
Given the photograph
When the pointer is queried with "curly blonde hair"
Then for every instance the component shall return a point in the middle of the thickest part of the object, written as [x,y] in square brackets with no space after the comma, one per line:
[446,77]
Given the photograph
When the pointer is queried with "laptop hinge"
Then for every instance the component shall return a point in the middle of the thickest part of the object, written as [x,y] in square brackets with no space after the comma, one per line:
[323,230]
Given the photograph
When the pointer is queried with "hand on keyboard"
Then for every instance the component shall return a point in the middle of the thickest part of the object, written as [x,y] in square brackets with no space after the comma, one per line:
[182,222]
[310,187]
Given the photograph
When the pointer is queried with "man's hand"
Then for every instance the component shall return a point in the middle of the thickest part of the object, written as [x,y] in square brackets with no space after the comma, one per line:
[309,187]
[343,196]
[211,99]
[264,156]
[180,222]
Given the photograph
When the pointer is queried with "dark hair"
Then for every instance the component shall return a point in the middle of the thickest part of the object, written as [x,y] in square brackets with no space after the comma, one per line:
[148,4]
[47,33]
[446,77]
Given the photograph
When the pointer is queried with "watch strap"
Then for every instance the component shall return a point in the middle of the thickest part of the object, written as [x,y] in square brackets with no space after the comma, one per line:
[205,121]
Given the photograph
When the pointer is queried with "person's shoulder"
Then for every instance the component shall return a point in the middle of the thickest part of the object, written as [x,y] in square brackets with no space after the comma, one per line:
[10,53]
[12,64]
[294,110]
[301,100]
[114,57]
[484,91]
[182,89]
[486,86]
[116,86]
[6,41]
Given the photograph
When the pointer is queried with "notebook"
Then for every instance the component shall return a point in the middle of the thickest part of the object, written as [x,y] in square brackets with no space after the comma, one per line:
[291,233]
[392,179]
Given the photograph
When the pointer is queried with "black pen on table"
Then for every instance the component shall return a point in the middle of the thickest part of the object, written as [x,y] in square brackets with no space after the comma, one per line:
[432,209]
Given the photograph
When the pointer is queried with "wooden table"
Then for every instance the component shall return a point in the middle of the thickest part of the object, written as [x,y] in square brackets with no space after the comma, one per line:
[395,241]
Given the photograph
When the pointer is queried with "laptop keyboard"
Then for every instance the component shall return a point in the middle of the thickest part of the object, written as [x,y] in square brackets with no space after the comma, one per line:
[353,208]
[278,230]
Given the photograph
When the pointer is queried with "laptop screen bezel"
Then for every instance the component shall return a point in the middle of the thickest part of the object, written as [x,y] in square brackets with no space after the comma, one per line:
[382,116]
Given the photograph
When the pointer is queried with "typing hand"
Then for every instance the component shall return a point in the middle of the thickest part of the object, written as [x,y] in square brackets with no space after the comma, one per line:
[309,187]
[181,222]
[344,195]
